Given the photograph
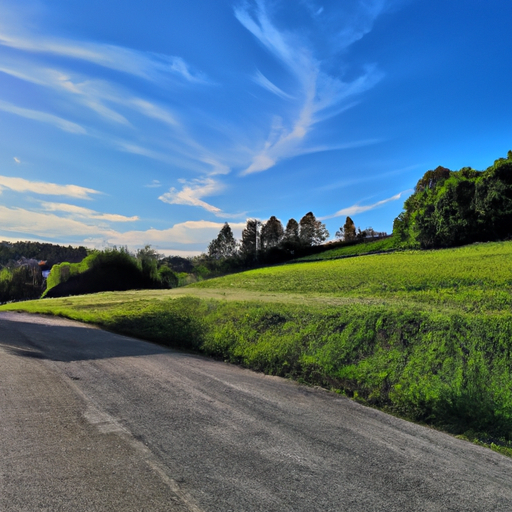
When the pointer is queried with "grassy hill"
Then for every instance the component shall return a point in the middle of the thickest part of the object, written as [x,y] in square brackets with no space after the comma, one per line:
[423,334]
[345,251]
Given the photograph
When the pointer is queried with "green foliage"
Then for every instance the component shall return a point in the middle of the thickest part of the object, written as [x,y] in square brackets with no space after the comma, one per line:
[291,237]
[167,277]
[312,231]
[272,233]
[110,269]
[349,230]
[12,251]
[224,246]
[20,283]
[250,237]
[147,258]
[451,208]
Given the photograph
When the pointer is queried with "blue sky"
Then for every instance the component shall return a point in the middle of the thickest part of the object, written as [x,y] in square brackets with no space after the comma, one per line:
[133,123]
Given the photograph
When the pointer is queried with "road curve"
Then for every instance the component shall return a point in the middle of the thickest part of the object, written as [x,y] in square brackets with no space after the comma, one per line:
[92,421]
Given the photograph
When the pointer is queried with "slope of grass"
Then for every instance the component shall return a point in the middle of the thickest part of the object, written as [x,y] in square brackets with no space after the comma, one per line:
[426,335]
[471,278]
[387,244]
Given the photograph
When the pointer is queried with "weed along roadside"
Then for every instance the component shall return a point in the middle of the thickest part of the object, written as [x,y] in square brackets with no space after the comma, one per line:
[430,343]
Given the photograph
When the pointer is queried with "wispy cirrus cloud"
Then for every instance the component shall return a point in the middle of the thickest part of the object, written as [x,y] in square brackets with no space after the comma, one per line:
[98,95]
[262,80]
[318,93]
[357,208]
[43,117]
[192,192]
[44,188]
[147,65]
[154,184]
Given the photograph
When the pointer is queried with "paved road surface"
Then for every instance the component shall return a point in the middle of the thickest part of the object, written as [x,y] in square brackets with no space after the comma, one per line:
[92,421]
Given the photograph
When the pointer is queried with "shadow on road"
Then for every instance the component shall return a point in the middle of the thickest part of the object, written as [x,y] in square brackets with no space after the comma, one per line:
[56,339]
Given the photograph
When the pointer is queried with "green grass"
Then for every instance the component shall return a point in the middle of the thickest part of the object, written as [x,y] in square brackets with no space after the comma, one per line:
[471,278]
[387,244]
[425,335]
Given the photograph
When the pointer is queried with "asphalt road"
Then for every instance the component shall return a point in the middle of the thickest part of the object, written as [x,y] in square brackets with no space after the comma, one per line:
[92,421]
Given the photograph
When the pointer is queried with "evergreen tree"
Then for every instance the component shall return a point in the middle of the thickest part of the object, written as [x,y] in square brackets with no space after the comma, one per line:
[250,238]
[291,238]
[312,231]
[271,233]
[224,245]
[349,230]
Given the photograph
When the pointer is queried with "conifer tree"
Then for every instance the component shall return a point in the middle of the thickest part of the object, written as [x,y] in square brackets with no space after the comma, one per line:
[271,233]
[291,236]
[312,231]
[349,230]
[250,238]
[224,245]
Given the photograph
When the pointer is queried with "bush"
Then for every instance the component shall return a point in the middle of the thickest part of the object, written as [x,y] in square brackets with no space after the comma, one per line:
[108,270]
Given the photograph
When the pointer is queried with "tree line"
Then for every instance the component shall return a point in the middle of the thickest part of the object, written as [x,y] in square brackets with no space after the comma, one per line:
[11,252]
[267,241]
[451,208]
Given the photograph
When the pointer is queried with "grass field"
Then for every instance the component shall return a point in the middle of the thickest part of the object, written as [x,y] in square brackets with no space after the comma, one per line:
[426,335]
[387,244]
[471,278]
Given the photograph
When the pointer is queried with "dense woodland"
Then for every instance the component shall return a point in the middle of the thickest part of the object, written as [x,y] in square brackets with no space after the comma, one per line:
[50,253]
[452,208]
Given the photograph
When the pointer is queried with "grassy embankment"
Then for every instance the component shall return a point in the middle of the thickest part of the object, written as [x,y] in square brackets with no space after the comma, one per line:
[368,247]
[426,335]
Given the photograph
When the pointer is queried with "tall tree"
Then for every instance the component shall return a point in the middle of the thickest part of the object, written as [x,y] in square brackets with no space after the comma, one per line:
[312,231]
[250,238]
[224,245]
[349,230]
[148,261]
[291,236]
[271,233]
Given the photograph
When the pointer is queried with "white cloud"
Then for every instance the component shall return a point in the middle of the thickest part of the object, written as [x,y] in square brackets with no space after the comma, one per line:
[356,208]
[91,93]
[189,232]
[267,84]
[86,213]
[319,95]
[36,225]
[154,184]
[151,110]
[43,117]
[192,192]
[44,225]
[148,65]
[17,160]
[51,189]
